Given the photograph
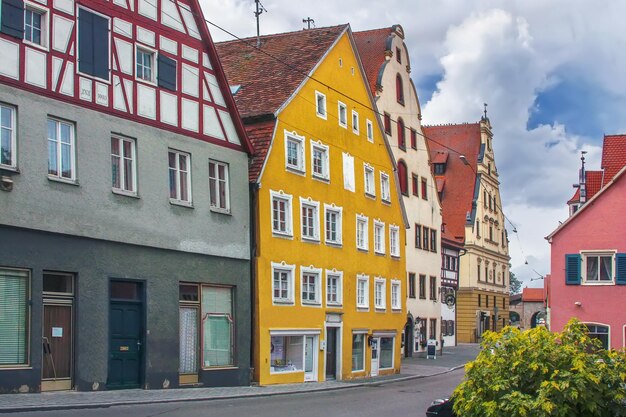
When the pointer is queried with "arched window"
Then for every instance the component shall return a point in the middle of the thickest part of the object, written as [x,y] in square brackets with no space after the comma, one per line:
[600,332]
[399,89]
[402,176]
[401,135]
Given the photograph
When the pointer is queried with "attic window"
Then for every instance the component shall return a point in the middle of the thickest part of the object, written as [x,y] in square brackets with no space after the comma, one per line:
[320,105]
[440,169]
[399,55]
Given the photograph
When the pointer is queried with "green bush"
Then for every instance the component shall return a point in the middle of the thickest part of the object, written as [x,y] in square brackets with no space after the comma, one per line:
[537,373]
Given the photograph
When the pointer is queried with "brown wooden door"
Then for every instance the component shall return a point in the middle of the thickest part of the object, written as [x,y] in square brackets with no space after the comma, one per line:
[331,352]
[57,342]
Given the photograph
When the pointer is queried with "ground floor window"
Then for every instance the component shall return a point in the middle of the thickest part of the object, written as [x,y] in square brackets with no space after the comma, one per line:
[386,352]
[447,327]
[287,354]
[358,352]
[599,332]
[433,329]
[14,316]
[420,340]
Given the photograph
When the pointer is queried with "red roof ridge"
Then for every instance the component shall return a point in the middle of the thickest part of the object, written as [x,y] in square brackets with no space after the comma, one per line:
[452,124]
[280,34]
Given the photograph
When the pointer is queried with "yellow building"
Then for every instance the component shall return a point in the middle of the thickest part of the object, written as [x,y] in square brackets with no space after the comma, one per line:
[329,226]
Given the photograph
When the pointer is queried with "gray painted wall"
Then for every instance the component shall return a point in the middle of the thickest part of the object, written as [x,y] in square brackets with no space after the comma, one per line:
[91,209]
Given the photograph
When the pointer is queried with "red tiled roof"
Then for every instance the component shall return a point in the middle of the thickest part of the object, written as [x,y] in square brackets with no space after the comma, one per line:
[440,157]
[261,135]
[593,180]
[269,76]
[372,45]
[613,156]
[459,178]
[533,295]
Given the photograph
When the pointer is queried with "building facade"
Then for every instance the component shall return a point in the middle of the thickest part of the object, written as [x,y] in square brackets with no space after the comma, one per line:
[528,309]
[124,258]
[329,241]
[464,166]
[386,61]
[588,255]
[450,251]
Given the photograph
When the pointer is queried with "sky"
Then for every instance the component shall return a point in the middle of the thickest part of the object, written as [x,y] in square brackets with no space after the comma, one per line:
[551,72]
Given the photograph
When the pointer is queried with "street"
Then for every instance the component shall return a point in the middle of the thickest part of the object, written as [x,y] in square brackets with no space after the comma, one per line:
[407,398]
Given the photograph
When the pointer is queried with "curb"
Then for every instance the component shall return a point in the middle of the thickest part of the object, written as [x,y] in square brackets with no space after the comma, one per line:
[86,406]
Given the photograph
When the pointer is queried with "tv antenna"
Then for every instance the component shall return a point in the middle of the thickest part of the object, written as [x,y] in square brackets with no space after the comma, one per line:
[308,22]
[259,10]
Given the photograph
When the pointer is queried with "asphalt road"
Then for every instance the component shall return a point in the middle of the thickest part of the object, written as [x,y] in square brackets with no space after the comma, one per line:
[408,398]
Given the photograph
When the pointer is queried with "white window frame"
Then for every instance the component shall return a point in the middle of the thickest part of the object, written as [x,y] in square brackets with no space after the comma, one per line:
[45,25]
[396,304]
[339,212]
[361,219]
[370,130]
[394,241]
[315,206]
[287,198]
[122,174]
[385,191]
[355,123]
[290,269]
[583,266]
[317,272]
[300,167]
[339,276]
[364,333]
[58,176]
[380,303]
[13,140]
[153,69]
[379,237]
[178,199]
[366,296]
[342,113]
[324,149]
[217,206]
[393,350]
[369,183]
[321,114]
[608,326]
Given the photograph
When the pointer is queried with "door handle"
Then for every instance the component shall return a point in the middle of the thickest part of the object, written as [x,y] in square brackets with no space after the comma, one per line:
[138,346]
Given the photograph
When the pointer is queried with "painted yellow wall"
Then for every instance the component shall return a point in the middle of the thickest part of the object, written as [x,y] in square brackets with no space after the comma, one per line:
[299,116]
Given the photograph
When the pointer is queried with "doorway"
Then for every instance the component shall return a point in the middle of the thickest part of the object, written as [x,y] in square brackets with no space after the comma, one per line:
[408,338]
[331,353]
[310,358]
[126,325]
[375,342]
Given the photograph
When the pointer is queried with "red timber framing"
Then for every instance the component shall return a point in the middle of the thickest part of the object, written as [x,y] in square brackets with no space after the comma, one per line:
[200,104]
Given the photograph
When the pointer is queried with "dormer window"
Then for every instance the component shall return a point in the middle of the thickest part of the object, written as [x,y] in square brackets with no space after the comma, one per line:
[440,169]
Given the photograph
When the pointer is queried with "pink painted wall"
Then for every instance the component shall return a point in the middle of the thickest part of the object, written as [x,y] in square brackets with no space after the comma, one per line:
[601,226]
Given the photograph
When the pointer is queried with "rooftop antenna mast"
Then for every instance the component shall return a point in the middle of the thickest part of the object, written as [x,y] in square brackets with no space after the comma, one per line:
[308,22]
[485,104]
[259,10]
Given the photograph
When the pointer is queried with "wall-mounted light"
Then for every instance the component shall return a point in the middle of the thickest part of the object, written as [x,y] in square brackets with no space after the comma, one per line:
[578,304]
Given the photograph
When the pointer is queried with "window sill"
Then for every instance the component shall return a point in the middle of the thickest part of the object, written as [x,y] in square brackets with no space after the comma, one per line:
[310,304]
[124,193]
[295,371]
[219,367]
[295,170]
[63,180]
[364,250]
[282,302]
[150,83]
[322,115]
[95,78]
[321,178]
[220,211]
[386,201]
[383,254]
[15,368]
[282,235]
[396,309]
[186,204]
[36,45]
[9,169]
[333,305]
[362,309]
[334,244]
[370,195]
[396,257]
[356,132]
[315,240]
[598,283]
[345,126]
[381,310]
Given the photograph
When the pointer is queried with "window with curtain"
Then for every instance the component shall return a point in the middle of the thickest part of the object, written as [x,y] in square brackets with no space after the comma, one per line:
[14,317]
[217,326]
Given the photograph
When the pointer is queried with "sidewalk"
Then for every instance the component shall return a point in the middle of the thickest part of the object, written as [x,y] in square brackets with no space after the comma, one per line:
[412,368]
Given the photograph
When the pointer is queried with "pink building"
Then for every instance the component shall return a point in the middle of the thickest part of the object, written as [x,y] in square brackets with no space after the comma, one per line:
[588,262]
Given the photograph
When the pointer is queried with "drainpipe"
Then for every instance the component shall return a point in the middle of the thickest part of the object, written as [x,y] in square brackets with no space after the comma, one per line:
[254,188]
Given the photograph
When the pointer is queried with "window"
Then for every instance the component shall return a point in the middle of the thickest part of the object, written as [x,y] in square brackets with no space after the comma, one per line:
[358,352]
[380,294]
[413,139]
[398,56]
[332,216]
[433,329]
[348,172]
[402,177]
[477,228]
[355,122]
[479,301]
[401,135]
[218,186]
[387,121]
[399,90]
[396,290]
[8,136]
[123,167]
[93,44]
[433,288]
[362,241]
[310,219]
[424,189]
[145,65]
[385,194]
[386,352]
[599,332]
[189,328]
[418,236]
[342,114]
[334,288]
[425,237]
[281,213]
[310,285]
[180,177]
[440,169]
[217,326]
[35,25]
[433,240]
[598,267]
[287,353]
[491,232]
[412,285]
[61,150]
[320,105]
[294,152]
[379,237]
[370,188]
[166,72]
[362,291]
[319,161]
[414,184]
[422,287]
[370,130]
[14,317]
[282,283]
[394,241]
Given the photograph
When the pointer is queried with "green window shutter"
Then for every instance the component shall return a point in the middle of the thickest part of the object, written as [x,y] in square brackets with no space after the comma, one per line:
[13,317]
[620,269]
[572,269]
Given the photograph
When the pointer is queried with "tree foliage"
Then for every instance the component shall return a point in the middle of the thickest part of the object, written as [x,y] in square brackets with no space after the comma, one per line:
[515,285]
[537,373]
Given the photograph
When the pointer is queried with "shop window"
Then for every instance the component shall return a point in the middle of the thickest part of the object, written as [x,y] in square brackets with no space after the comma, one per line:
[14,317]
[386,352]
[358,352]
[287,354]
[217,326]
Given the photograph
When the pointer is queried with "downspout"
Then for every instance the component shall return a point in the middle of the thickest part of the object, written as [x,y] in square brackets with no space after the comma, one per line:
[253,195]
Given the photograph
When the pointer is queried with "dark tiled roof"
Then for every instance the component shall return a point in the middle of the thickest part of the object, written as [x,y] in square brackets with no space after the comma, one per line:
[459,178]
[372,45]
[260,134]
